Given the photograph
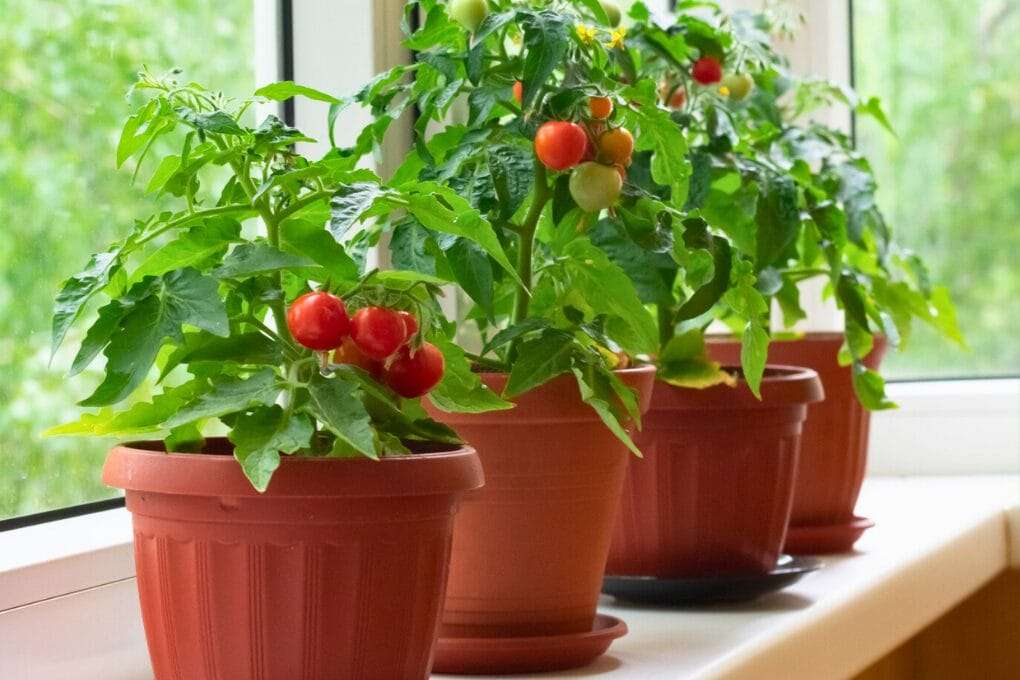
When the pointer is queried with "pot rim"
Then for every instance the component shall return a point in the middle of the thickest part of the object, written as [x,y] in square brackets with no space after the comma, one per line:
[152,470]
[780,386]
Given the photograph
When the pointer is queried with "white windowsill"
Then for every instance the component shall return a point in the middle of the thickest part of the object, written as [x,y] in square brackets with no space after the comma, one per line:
[938,539]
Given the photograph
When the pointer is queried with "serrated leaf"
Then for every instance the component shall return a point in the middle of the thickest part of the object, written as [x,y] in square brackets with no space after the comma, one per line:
[658,133]
[240,349]
[461,390]
[607,290]
[337,403]
[183,297]
[110,316]
[140,418]
[286,89]
[546,40]
[193,248]
[78,289]
[311,240]
[754,351]
[596,394]
[261,436]
[219,122]
[349,203]
[229,395]
[250,259]
[538,361]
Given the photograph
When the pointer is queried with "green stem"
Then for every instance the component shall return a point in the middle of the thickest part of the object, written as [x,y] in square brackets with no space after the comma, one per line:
[185,220]
[485,362]
[526,247]
[302,202]
[666,328]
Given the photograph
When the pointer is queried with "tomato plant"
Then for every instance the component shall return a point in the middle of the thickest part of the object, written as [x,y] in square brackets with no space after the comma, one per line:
[225,309]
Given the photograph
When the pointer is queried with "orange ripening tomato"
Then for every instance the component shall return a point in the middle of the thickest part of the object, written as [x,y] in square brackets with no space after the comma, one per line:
[518,91]
[601,107]
[616,146]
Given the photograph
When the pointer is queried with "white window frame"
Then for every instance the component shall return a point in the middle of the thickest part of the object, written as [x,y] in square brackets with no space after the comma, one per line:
[57,579]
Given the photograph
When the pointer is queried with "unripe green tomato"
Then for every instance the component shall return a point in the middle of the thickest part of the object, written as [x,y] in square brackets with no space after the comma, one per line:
[595,186]
[469,13]
[739,85]
[612,11]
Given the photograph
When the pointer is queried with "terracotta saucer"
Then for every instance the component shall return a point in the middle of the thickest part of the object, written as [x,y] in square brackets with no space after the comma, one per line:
[825,539]
[490,656]
[708,589]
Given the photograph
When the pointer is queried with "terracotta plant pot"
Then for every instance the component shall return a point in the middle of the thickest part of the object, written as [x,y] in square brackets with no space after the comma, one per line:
[713,493]
[336,572]
[834,445]
[530,548]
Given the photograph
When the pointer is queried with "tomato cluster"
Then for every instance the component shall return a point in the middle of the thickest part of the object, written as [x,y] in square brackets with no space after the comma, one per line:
[597,153]
[376,339]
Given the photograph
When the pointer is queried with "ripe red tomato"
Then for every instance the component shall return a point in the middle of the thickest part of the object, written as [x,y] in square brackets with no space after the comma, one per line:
[560,144]
[673,98]
[595,186]
[377,331]
[318,320]
[413,373]
[616,146]
[348,353]
[601,107]
[519,91]
[410,323]
[707,70]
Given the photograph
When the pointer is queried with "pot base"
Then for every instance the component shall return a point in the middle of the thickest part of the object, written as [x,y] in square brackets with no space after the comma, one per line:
[708,589]
[825,539]
[491,656]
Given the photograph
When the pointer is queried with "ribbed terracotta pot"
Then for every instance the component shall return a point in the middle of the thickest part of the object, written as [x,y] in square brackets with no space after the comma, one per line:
[834,445]
[336,572]
[530,548]
[713,493]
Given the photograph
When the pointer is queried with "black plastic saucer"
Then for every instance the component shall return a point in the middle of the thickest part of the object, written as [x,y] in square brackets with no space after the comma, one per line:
[709,589]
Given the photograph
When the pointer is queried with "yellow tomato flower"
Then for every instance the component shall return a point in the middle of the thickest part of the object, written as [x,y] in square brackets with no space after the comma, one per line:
[616,39]
[724,91]
[586,34]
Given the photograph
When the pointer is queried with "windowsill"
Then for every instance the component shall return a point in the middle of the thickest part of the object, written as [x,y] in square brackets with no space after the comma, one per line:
[937,540]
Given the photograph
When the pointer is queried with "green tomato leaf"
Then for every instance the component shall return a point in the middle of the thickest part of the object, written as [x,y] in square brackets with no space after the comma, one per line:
[337,403]
[241,349]
[754,351]
[658,133]
[546,40]
[473,270]
[311,240]
[596,392]
[286,89]
[778,219]
[140,418]
[539,360]
[219,122]
[182,297]
[461,390]
[251,259]
[106,324]
[261,435]
[78,289]
[349,203]
[195,248]
[164,171]
[685,363]
[870,388]
[229,395]
[607,290]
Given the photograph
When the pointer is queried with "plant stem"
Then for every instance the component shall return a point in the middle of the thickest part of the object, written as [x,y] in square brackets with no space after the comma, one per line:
[185,220]
[485,362]
[526,243]
[666,328]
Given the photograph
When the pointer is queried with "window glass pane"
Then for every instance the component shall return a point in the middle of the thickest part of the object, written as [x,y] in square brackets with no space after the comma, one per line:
[66,67]
[950,183]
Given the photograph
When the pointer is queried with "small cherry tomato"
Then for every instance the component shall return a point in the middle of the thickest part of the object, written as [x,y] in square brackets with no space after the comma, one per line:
[622,171]
[378,331]
[595,186]
[738,85]
[612,12]
[413,373]
[707,70]
[601,107]
[616,146]
[348,353]
[469,13]
[318,320]
[673,98]
[519,91]
[560,144]
[410,324]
